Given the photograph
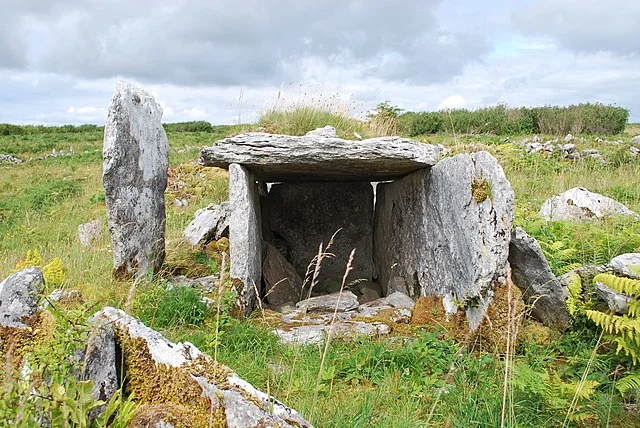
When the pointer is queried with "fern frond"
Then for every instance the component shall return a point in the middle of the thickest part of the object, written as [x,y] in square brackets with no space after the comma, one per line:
[633,308]
[575,293]
[568,268]
[629,382]
[628,286]
[629,347]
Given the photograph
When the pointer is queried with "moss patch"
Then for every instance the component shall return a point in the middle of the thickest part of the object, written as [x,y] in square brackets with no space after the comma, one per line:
[148,415]
[495,326]
[429,311]
[480,189]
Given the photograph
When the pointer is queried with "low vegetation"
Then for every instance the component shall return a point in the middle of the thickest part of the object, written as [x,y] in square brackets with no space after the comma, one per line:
[418,378]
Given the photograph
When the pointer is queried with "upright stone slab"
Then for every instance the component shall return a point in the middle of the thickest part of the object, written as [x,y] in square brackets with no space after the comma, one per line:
[307,214]
[446,231]
[245,234]
[135,162]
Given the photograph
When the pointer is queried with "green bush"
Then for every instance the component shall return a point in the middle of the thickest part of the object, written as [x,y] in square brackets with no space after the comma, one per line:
[194,126]
[501,120]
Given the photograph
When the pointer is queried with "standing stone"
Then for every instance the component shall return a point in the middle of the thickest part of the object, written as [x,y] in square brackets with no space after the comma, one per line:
[135,162]
[19,295]
[209,224]
[307,214]
[539,286]
[283,284]
[245,235]
[446,231]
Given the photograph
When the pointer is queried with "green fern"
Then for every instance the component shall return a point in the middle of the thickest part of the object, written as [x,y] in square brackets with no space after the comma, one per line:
[628,286]
[574,301]
[628,383]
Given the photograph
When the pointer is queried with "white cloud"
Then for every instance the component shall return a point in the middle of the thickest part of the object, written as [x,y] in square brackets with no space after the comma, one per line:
[452,102]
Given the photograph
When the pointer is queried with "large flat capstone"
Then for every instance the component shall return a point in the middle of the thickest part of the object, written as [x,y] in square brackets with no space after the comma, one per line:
[135,162]
[273,157]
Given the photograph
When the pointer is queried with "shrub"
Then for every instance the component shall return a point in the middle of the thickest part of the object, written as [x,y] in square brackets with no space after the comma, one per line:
[194,126]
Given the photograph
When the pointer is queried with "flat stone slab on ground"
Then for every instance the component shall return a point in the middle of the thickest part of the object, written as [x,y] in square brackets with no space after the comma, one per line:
[346,301]
[273,157]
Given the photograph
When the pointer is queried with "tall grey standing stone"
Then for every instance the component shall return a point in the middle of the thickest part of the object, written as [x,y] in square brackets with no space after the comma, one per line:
[533,276]
[135,162]
[307,214]
[245,234]
[19,297]
[446,231]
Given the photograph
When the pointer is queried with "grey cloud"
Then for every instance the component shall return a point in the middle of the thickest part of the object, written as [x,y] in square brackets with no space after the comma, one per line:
[244,42]
[584,25]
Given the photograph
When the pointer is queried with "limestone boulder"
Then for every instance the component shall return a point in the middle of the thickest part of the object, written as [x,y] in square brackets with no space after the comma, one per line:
[198,385]
[19,297]
[345,301]
[283,284]
[626,265]
[324,132]
[618,303]
[539,286]
[209,224]
[399,300]
[579,204]
[99,363]
[446,231]
[90,232]
[135,162]
[273,157]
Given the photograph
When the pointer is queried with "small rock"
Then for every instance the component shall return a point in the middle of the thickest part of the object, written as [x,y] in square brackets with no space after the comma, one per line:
[90,232]
[401,315]
[599,140]
[617,302]
[346,301]
[568,138]
[621,264]
[64,297]
[579,204]
[636,141]
[325,132]
[19,295]
[399,300]
[9,159]
[568,149]
[635,151]
[533,276]
[368,295]
[537,139]
[209,224]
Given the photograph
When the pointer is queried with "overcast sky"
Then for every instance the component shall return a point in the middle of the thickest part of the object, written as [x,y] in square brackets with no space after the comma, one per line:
[225,61]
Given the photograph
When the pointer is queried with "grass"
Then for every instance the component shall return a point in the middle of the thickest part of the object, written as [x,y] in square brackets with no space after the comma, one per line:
[392,381]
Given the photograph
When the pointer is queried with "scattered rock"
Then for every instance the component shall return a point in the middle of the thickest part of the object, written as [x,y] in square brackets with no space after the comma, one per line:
[326,132]
[9,159]
[621,264]
[19,296]
[599,140]
[275,158]
[568,138]
[617,302]
[135,162]
[178,374]
[579,204]
[568,151]
[539,286]
[283,284]
[209,224]
[399,300]
[90,232]
[635,151]
[99,363]
[636,141]
[64,297]
[345,301]
[593,154]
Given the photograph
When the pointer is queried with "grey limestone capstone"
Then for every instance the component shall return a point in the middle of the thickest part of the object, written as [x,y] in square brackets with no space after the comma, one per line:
[446,230]
[245,234]
[135,162]
[539,286]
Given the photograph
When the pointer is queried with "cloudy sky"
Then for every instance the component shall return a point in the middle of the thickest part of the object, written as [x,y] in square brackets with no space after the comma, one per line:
[225,61]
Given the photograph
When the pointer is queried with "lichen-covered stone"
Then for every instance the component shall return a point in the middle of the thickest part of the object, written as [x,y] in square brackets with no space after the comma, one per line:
[19,297]
[626,265]
[209,224]
[275,158]
[446,231]
[578,204]
[90,232]
[539,286]
[618,303]
[342,302]
[160,372]
[135,162]
[99,363]
[245,235]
